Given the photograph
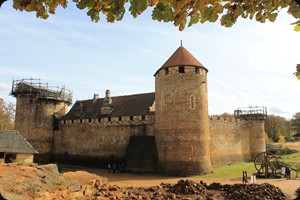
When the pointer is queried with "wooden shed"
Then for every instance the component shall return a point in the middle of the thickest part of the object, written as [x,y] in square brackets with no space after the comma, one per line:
[14,147]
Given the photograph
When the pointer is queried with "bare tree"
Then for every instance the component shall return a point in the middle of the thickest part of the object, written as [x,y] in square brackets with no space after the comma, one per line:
[7,114]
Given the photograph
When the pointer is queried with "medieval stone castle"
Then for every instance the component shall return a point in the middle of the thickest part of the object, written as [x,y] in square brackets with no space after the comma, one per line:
[168,131]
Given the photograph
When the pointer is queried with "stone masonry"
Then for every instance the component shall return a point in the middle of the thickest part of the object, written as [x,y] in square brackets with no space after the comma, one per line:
[121,128]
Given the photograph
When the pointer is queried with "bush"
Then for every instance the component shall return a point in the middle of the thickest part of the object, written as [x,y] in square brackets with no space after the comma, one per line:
[287,151]
[281,151]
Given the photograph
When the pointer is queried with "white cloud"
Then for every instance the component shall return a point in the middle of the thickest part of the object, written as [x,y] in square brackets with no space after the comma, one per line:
[5,86]
[277,110]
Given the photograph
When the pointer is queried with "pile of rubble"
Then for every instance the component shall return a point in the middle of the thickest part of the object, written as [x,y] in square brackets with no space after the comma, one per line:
[297,194]
[249,191]
[188,189]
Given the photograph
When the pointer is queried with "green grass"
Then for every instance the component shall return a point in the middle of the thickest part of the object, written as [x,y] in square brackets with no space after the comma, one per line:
[231,171]
[292,160]
[235,170]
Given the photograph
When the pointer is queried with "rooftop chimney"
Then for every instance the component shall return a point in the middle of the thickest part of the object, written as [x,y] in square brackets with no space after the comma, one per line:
[107,107]
[96,96]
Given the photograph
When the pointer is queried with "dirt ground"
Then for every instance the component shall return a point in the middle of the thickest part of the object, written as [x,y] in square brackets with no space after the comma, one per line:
[146,180]
[45,182]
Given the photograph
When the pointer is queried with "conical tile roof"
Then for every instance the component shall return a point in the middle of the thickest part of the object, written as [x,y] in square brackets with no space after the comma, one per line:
[181,57]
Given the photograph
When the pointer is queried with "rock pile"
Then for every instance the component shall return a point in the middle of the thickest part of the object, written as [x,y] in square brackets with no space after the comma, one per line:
[251,191]
[297,194]
[187,189]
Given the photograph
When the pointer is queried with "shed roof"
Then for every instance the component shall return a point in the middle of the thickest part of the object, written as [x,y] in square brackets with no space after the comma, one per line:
[12,141]
[181,57]
[297,135]
[130,105]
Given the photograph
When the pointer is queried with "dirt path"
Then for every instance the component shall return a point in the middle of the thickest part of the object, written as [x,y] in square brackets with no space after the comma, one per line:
[145,180]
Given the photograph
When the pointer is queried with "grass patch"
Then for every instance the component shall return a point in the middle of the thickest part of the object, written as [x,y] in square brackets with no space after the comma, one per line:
[14,196]
[292,160]
[31,190]
[19,161]
[59,182]
[231,171]
[235,170]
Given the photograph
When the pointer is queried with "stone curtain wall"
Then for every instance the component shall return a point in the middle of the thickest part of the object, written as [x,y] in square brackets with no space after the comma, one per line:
[234,140]
[99,140]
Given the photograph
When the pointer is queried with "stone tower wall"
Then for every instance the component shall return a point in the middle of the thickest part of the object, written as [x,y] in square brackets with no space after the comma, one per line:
[34,120]
[99,140]
[257,137]
[182,124]
[234,140]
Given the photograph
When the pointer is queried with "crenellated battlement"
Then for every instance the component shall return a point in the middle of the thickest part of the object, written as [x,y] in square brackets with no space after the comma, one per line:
[214,120]
[218,119]
[112,121]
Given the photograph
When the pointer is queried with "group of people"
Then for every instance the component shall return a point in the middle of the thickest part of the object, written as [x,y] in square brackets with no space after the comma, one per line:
[115,167]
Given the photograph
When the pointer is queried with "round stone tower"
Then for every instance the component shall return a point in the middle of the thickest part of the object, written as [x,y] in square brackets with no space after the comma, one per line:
[38,109]
[181,116]
[257,137]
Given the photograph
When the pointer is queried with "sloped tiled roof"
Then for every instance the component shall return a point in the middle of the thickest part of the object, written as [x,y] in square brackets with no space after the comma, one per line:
[131,105]
[12,141]
[181,57]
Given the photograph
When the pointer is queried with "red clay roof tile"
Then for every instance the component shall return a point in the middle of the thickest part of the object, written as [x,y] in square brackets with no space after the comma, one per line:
[181,57]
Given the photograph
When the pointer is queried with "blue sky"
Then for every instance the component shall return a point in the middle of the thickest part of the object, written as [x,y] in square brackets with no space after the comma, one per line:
[250,64]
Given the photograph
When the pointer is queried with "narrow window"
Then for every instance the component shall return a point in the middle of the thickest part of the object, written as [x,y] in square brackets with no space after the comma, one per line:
[55,124]
[181,69]
[109,119]
[120,118]
[80,120]
[131,118]
[65,121]
[72,121]
[192,102]
[90,120]
[167,71]
[196,70]
[99,119]
[143,117]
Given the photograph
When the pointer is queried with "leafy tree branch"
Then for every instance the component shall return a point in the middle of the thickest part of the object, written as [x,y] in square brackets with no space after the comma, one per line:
[181,12]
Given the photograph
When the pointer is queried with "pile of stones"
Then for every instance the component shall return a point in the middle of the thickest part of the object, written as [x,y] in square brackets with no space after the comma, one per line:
[188,189]
[298,194]
[249,191]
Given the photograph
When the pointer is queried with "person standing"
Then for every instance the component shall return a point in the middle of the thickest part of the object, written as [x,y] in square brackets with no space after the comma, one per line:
[109,167]
[288,172]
